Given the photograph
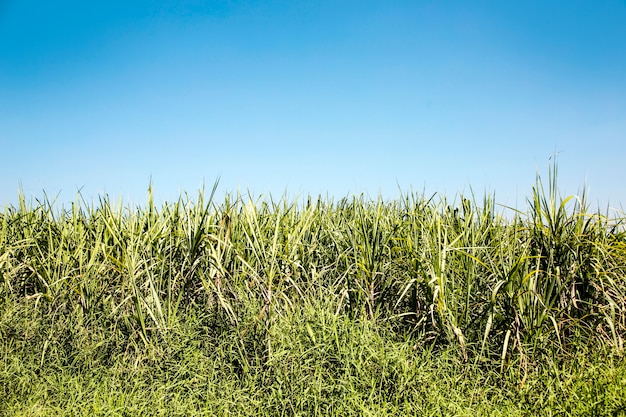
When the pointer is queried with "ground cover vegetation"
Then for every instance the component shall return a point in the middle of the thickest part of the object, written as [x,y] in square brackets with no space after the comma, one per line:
[417,306]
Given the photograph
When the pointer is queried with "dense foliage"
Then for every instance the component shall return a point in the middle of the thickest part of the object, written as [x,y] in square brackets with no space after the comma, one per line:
[311,307]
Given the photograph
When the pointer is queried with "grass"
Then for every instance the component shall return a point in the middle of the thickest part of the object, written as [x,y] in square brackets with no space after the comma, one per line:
[418,306]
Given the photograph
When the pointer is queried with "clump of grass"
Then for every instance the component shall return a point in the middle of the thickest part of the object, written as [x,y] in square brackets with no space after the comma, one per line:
[316,308]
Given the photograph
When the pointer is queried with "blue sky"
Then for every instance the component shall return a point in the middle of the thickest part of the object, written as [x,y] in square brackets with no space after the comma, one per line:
[309,97]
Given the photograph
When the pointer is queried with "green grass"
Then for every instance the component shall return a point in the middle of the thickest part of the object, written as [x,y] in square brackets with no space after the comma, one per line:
[418,306]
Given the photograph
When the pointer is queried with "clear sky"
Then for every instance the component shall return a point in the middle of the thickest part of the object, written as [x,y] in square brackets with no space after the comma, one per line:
[309,97]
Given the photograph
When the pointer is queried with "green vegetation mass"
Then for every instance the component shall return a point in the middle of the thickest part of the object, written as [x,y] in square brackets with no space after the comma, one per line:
[418,306]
